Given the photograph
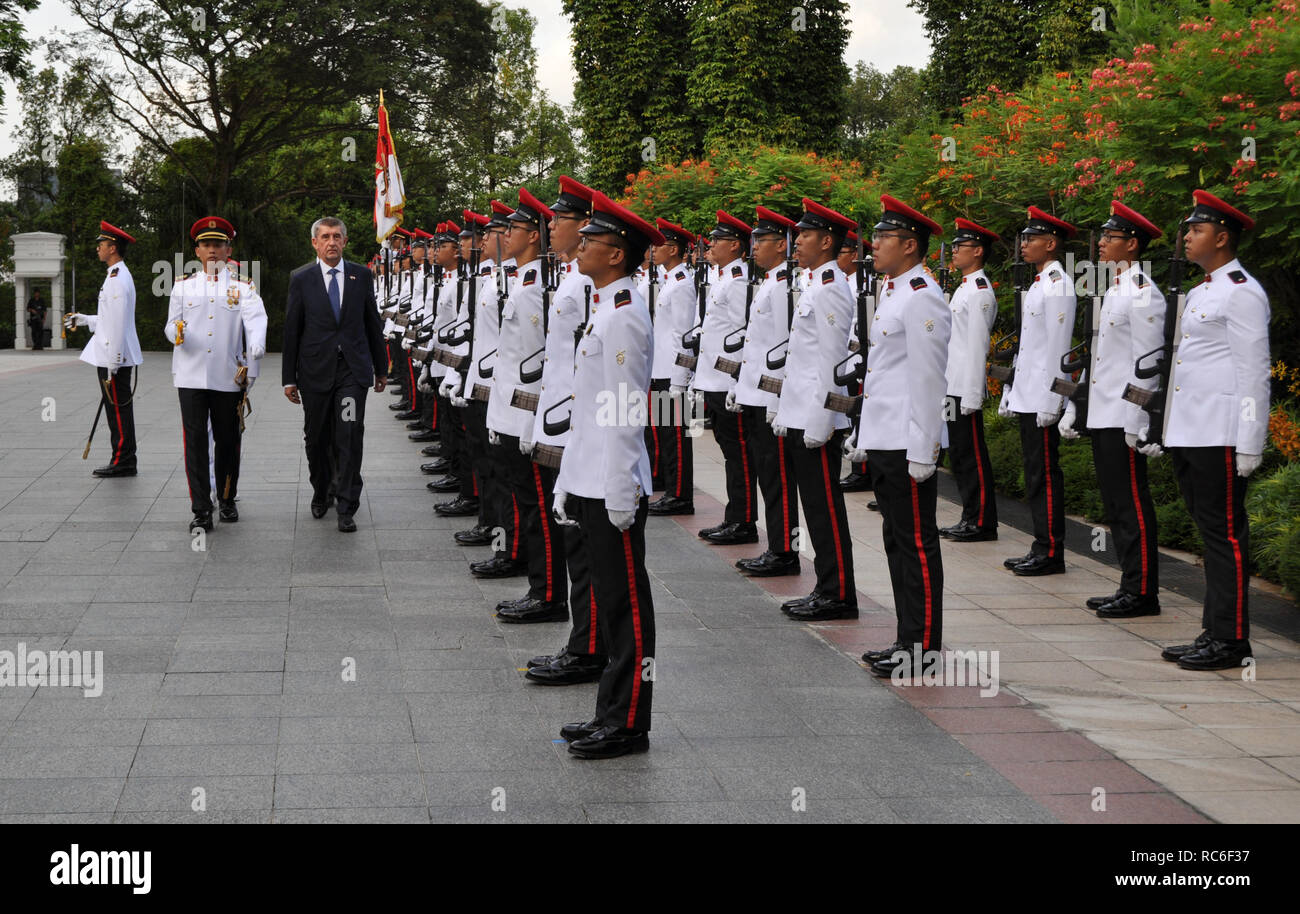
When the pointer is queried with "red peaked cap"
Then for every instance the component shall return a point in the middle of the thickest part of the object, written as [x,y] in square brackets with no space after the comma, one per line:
[108,230]
[474,223]
[607,217]
[771,223]
[421,233]
[447,231]
[209,227]
[1210,208]
[898,215]
[667,228]
[730,227]
[825,219]
[850,241]
[500,214]
[402,231]
[1129,221]
[973,231]
[1041,223]
[530,210]
[574,197]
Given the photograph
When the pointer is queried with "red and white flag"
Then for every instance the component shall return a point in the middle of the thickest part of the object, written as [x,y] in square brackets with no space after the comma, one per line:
[390,194]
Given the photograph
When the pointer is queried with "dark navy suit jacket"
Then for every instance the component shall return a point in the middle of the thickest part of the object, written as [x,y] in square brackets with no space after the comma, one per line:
[313,338]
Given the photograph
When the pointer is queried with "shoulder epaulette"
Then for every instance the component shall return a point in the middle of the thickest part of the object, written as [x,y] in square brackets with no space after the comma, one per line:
[736,270]
[981,282]
[1237,276]
[1054,275]
[918,282]
[782,274]
[828,276]
[1140,279]
[512,271]
[679,275]
[622,297]
[529,278]
[112,272]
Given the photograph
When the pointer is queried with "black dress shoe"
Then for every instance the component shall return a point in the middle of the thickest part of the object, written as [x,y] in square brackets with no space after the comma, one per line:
[570,732]
[110,470]
[201,521]
[1216,655]
[570,669]
[347,524]
[770,565]
[734,535]
[434,468]
[229,513]
[945,531]
[1039,565]
[458,507]
[855,482]
[874,656]
[1129,605]
[823,608]
[669,505]
[534,610]
[1174,651]
[741,563]
[1020,560]
[610,742]
[884,668]
[709,531]
[446,483]
[499,567]
[1098,602]
[547,659]
[797,602]
[407,415]
[433,450]
[478,535]
[416,426]
[973,534]
[401,406]
[424,434]
[873,506]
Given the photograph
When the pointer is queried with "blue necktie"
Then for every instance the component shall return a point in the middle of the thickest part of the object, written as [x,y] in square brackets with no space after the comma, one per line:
[335,302]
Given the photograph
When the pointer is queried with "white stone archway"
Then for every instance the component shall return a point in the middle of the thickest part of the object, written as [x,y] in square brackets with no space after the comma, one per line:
[38,255]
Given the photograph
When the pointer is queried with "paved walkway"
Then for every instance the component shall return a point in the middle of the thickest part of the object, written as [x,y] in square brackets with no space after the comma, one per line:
[226,683]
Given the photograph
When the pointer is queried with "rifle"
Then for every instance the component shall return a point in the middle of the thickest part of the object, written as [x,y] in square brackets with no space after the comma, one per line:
[865,308]
[1156,402]
[692,343]
[767,382]
[559,427]
[424,331]
[1079,358]
[735,340]
[532,375]
[1003,366]
[944,275]
[455,362]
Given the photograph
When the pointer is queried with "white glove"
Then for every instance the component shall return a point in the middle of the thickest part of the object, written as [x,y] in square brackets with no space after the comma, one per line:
[450,384]
[968,410]
[78,320]
[112,371]
[622,520]
[779,430]
[1248,463]
[1046,420]
[771,416]
[1003,410]
[856,455]
[675,391]
[525,447]
[1131,440]
[493,437]
[813,443]
[1066,425]
[558,508]
[406,344]
[731,404]
[920,471]
[697,400]
[1150,450]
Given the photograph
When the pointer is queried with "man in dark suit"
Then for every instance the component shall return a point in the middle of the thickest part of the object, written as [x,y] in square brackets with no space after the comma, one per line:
[333,343]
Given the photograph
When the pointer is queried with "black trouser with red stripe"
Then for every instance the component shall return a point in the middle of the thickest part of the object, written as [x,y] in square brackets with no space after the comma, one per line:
[776,479]
[969,456]
[497,507]
[625,613]
[455,445]
[1122,478]
[396,374]
[911,538]
[670,422]
[733,438]
[531,485]
[1044,485]
[817,471]
[584,637]
[1216,499]
[119,412]
[432,407]
[221,407]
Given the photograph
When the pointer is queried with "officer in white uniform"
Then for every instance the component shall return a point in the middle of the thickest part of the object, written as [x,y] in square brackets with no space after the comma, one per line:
[766,333]
[1218,424]
[819,340]
[724,321]
[607,490]
[217,324]
[974,308]
[113,347]
[675,314]
[1131,323]
[1046,326]
[440,305]
[901,424]
[857,479]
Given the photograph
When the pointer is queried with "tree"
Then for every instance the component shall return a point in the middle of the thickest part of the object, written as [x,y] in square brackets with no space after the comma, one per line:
[14,45]
[880,108]
[88,192]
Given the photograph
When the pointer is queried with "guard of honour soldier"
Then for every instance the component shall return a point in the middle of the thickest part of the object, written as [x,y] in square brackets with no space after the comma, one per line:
[525,336]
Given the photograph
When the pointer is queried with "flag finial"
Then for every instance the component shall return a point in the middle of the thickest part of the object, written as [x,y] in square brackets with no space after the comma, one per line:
[381,98]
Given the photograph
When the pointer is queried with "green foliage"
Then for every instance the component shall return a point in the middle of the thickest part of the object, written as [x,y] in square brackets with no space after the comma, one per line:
[14,45]
[881,108]
[1273,505]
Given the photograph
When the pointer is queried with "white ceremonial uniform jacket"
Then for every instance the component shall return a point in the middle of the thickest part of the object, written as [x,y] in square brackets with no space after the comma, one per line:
[568,308]
[724,313]
[610,407]
[819,338]
[215,309]
[767,329]
[974,308]
[522,334]
[1046,327]
[907,354]
[442,304]
[1221,379]
[1131,324]
[674,317]
[487,328]
[113,341]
